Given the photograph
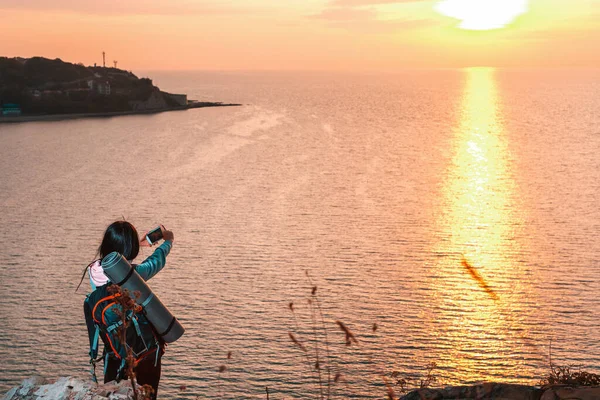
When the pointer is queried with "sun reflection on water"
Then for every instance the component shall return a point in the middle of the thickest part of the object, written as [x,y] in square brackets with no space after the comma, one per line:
[480,184]
[479,303]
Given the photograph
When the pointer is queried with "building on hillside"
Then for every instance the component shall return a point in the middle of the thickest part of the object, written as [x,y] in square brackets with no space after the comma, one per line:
[104,88]
[156,101]
[100,87]
[11,110]
[180,99]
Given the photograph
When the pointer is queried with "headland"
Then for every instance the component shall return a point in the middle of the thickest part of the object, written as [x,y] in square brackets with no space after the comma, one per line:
[40,89]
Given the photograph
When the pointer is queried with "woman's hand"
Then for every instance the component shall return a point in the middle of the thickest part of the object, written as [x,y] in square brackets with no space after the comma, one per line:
[167,235]
[144,242]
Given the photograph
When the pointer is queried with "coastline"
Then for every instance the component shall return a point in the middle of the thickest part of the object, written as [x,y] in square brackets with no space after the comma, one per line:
[62,117]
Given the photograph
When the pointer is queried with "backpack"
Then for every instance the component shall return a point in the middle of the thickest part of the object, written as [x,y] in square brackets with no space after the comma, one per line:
[103,319]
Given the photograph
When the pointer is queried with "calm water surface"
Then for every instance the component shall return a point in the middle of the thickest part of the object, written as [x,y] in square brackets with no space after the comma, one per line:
[457,210]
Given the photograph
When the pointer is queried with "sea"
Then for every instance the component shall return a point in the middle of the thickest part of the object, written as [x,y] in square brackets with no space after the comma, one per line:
[435,226]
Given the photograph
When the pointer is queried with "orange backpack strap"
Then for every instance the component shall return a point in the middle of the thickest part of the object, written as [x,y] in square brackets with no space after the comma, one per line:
[98,303]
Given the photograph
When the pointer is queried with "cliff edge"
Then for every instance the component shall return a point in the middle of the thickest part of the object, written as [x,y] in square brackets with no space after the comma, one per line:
[37,387]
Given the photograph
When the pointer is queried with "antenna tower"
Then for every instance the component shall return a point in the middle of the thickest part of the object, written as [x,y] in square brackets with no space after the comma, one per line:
[115,62]
[104,59]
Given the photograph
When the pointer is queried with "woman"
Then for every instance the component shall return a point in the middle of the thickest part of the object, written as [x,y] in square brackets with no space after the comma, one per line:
[122,237]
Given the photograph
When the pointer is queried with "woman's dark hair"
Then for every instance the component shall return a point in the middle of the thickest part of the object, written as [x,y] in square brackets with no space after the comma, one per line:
[120,236]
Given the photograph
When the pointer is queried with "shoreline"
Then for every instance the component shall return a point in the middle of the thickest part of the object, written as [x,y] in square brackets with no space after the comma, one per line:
[62,117]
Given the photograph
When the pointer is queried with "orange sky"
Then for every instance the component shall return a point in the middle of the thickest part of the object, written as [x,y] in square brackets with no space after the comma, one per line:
[296,34]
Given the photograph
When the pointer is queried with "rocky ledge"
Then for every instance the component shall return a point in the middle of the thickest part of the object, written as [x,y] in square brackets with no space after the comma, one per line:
[77,389]
[499,391]
[70,388]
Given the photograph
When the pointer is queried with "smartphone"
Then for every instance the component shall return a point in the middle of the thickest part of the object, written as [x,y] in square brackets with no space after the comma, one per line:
[154,235]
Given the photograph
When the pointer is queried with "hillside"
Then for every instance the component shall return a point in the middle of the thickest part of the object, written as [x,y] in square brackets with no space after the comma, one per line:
[42,86]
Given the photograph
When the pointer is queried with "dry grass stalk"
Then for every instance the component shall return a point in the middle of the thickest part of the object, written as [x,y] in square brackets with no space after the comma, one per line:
[389,389]
[337,378]
[350,338]
[429,377]
[562,375]
[297,343]
[320,362]
[324,330]
[147,392]
[316,341]
[478,278]
[407,384]
[127,304]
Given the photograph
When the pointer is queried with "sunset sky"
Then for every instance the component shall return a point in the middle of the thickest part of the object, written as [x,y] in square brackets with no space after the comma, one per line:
[305,34]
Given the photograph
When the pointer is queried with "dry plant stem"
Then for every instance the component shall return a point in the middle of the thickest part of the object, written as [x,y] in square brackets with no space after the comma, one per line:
[562,375]
[129,359]
[132,380]
[318,362]
[429,378]
[127,304]
[327,354]
[223,370]
[221,385]
[350,338]
[147,392]
[310,369]
[550,356]
[408,384]
[390,391]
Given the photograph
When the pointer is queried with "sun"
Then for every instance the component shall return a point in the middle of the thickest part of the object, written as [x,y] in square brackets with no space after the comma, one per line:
[481,15]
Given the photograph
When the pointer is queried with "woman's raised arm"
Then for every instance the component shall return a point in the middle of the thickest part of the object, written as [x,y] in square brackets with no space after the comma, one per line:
[153,264]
